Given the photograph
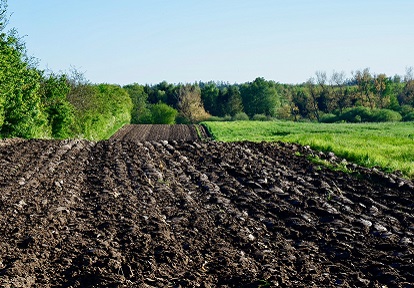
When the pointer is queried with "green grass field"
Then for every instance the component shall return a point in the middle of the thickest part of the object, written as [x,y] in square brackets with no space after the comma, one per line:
[387,145]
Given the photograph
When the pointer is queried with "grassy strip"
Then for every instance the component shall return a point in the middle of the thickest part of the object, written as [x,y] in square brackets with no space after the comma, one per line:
[386,145]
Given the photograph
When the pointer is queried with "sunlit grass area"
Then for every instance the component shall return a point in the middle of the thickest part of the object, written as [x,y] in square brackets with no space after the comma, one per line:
[387,145]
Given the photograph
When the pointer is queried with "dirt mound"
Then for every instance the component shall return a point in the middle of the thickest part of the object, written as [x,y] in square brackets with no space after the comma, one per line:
[157,132]
[196,214]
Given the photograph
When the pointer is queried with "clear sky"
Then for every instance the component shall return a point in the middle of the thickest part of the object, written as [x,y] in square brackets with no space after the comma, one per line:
[148,41]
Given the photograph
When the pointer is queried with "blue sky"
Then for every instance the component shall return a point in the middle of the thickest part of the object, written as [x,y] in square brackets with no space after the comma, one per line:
[150,41]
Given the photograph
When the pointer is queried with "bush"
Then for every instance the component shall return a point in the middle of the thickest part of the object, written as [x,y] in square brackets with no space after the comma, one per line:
[406,109]
[364,114]
[59,111]
[241,116]
[161,113]
[104,109]
[355,115]
[328,118]
[219,119]
[409,117]
[385,115]
[260,117]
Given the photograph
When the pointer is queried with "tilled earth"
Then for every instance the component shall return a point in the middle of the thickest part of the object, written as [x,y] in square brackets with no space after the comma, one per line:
[157,132]
[125,213]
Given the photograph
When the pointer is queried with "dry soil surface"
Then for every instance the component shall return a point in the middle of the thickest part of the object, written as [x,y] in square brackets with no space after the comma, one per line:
[131,213]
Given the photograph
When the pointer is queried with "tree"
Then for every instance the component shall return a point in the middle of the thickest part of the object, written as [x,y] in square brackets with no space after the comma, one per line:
[260,97]
[364,82]
[406,97]
[300,103]
[341,98]
[313,99]
[190,105]
[139,101]
[324,99]
[229,101]
[209,96]
[381,88]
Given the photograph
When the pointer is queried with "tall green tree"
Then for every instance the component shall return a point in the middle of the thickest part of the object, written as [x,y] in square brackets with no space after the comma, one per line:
[139,101]
[229,101]
[209,96]
[260,97]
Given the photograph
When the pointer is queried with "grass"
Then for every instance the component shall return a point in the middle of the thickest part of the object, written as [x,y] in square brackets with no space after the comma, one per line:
[386,145]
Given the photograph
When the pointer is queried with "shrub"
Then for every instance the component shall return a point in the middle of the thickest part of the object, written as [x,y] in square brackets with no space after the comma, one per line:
[219,119]
[355,115]
[328,118]
[241,116]
[409,117]
[260,117]
[104,109]
[161,113]
[406,109]
[385,115]
[364,114]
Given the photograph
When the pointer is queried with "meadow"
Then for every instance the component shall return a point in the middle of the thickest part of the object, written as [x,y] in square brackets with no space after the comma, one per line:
[389,146]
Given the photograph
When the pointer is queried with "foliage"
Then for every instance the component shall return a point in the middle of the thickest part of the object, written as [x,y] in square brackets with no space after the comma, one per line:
[161,113]
[363,114]
[229,101]
[409,117]
[139,100]
[32,105]
[21,112]
[388,145]
[99,109]
[217,118]
[241,116]
[260,117]
[329,118]
[60,113]
[190,105]
[209,95]
[260,97]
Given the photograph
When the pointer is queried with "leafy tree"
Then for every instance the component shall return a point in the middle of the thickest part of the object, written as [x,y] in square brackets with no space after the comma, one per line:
[139,100]
[209,96]
[190,105]
[406,97]
[313,99]
[341,96]
[382,90]
[229,101]
[364,83]
[300,103]
[163,92]
[260,97]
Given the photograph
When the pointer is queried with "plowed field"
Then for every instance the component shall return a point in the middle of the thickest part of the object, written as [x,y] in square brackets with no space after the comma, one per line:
[130,213]
[159,132]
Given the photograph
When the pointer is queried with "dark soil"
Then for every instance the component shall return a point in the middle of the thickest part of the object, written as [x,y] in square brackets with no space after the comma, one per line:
[125,213]
[157,132]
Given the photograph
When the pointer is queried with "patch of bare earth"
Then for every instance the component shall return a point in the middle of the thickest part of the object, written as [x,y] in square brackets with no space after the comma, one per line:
[127,213]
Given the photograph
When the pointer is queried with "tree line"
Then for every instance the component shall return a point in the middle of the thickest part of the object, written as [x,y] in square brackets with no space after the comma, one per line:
[365,97]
